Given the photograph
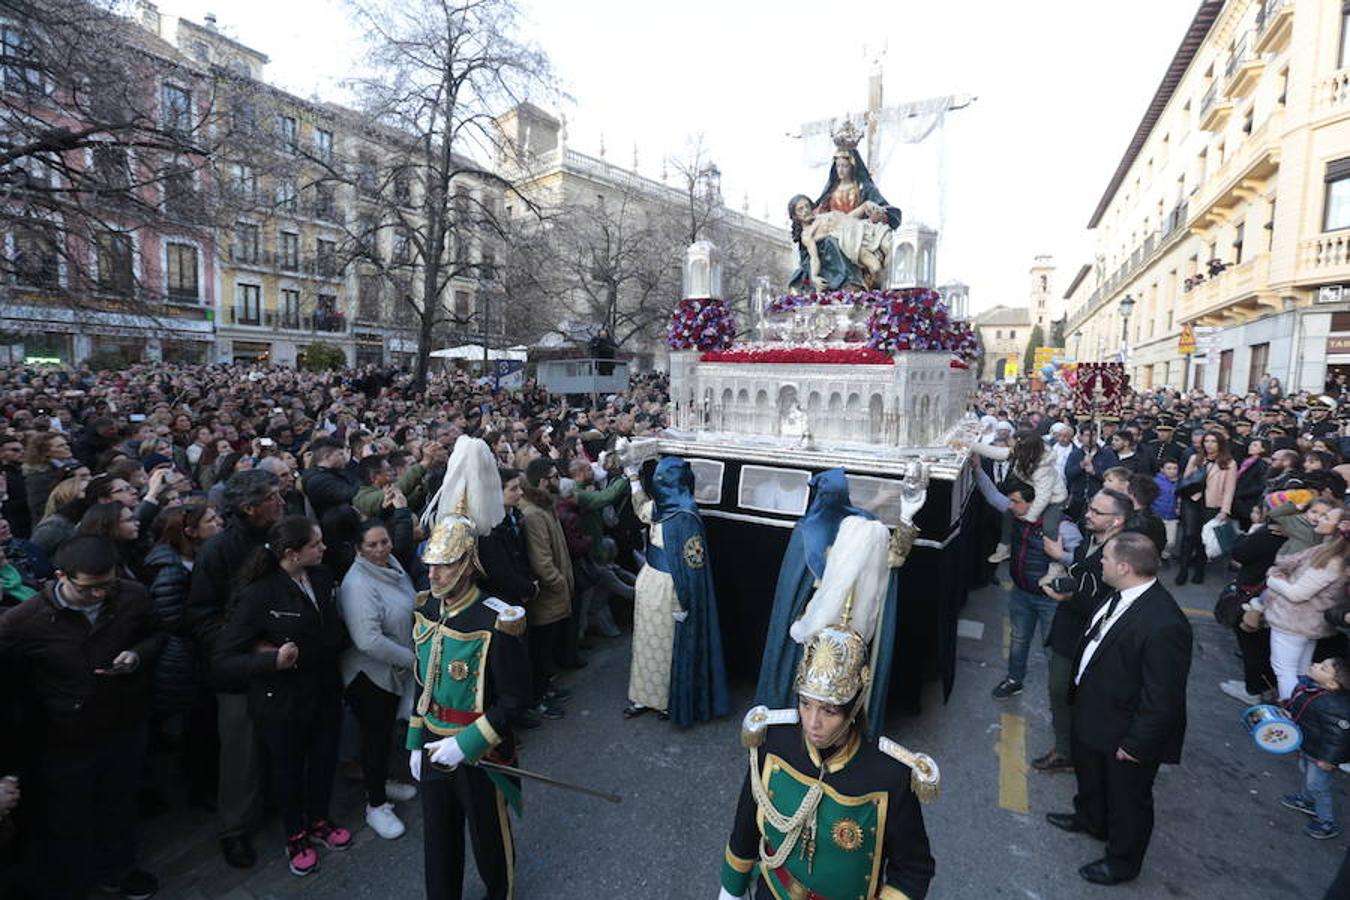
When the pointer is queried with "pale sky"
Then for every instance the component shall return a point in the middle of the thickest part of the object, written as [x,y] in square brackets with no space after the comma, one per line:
[1061,84]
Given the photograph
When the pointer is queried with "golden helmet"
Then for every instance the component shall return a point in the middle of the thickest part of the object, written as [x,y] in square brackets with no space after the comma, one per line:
[451,538]
[834,666]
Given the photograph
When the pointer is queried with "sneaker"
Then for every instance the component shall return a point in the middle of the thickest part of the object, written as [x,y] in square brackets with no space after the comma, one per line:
[1298,803]
[331,836]
[557,695]
[135,885]
[1237,689]
[1007,688]
[301,855]
[1002,552]
[1052,763]
[384,822]
[399,792]
[1054,571]
[1322,830]
[547,710]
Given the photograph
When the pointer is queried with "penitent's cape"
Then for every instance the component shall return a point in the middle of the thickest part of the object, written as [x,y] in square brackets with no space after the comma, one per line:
[698,676]
[803,567]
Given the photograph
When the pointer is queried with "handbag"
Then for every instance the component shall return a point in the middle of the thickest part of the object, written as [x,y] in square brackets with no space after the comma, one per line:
[1191,486]
[1218,537]
[1228,608]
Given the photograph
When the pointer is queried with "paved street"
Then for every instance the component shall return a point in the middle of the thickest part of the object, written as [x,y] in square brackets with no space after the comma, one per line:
[1220,831]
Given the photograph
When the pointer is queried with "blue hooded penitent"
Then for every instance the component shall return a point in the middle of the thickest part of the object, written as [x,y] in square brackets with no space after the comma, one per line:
[698,677]
[803,565]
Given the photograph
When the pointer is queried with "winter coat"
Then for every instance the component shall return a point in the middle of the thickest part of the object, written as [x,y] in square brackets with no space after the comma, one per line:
[1324,718]
[39,481]
[569,516]
[1297,594]
[329,488]
[1029,561]
[1045,479]
[1220,484]
[52,532]
[546,546]
[211,597]
[1288,516]
[1255,553]
[592,503]
[177,672]
[506,563]
[55,651]
[1165,505]
[274,610]
[377,608]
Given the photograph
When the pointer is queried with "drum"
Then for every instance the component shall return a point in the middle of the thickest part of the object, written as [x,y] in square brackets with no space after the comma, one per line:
[1272,730]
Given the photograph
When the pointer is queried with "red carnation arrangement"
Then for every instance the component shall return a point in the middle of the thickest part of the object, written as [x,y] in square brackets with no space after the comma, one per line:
[802,355]
[917,319]
[700,325]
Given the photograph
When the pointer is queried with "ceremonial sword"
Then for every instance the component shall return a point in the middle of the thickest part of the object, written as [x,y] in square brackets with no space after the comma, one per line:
[546,779]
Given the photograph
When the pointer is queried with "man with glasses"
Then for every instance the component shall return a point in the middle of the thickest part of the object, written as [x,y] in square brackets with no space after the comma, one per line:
[1104,518]
[253,504]
[86,648]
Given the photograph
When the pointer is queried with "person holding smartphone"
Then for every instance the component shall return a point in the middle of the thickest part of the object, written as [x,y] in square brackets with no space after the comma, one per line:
[87,646]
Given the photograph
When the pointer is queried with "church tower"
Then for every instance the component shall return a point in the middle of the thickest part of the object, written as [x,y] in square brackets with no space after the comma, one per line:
[1042,305]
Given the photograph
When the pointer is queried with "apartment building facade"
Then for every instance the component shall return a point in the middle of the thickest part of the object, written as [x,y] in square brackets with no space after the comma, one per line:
[1230,210]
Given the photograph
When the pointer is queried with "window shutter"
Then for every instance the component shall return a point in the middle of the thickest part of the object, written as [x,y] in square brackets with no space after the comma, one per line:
[1338,168]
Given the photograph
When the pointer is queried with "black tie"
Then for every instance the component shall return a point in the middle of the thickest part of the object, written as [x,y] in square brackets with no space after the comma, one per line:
[1097,626]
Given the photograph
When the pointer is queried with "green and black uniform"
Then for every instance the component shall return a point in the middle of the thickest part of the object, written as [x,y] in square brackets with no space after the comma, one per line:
[473,680]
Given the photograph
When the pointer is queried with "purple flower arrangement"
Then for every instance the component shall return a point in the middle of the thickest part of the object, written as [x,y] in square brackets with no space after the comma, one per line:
[700,325]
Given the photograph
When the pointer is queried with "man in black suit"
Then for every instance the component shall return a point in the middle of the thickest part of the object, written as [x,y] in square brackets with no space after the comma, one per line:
[1129,708]
[1080,480]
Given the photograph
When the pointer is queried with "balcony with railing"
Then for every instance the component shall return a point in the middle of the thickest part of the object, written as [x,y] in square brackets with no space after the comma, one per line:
[1243,71]
[1215,109]
[1236,293]
[251,317]
[321,320]
[1274,26]
[1323,259]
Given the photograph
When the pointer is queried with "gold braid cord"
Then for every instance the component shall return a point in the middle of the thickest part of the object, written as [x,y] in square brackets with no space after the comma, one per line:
[902,541]
[433,662]
[791,826]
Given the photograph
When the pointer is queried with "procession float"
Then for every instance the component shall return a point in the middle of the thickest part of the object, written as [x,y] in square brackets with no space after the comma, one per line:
[856,364]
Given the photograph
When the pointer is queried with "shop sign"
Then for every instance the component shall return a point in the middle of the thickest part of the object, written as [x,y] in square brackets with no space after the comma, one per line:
[1338,344]
[1186,343]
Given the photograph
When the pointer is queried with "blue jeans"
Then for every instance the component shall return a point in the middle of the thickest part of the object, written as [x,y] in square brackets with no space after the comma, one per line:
[1025,610]
[1317,790]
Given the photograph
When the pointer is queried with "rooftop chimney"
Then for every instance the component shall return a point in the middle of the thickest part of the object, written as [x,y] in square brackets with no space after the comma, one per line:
[211,21]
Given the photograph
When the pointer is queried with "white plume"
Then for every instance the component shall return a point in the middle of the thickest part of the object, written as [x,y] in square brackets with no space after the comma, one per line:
[855,563]
[472,471]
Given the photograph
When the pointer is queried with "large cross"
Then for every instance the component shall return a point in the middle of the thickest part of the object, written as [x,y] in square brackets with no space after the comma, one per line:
[877,115]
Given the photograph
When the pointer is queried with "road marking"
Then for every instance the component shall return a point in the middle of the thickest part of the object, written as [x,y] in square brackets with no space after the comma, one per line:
[969,628]
[1012,764]
[1202,613]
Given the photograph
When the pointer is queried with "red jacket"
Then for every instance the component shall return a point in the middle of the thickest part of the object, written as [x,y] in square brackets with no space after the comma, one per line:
[569,515]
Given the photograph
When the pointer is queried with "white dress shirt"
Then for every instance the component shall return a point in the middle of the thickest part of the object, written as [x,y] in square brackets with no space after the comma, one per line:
[1127,598]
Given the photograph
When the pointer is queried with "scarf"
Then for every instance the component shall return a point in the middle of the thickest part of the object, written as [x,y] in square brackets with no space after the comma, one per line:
[11,583]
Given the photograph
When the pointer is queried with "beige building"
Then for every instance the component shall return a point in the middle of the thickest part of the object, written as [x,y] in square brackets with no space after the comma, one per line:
[1042,304]
[560,179]
[1004,332]
[1230,210]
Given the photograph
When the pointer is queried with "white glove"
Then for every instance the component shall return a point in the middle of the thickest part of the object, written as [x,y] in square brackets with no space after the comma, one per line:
[631,472]
[724,894]
[415,764]
[681,615]
[445,752]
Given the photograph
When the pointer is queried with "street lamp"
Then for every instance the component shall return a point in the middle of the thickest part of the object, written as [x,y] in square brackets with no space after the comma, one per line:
[1126,307]
[1077,342]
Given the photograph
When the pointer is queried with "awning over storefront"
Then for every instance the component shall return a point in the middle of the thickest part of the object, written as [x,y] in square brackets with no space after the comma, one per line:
[475,352]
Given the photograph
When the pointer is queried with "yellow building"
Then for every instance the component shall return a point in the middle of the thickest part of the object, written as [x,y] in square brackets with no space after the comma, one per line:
[1230,209]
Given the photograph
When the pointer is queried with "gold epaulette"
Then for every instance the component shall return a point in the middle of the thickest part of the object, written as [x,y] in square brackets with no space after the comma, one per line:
[510,619]
[420,599]
[924,778]
[757,721]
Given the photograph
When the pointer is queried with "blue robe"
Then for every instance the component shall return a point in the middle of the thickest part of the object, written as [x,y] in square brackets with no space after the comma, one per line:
[835,268]
[803,566]
[698,675]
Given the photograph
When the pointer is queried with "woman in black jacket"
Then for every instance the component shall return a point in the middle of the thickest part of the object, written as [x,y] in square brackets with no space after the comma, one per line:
[184,703]
[1253,553]
[283,637]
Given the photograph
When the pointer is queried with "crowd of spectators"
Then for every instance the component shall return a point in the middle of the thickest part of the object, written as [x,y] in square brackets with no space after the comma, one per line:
[207,575]
[1247,487]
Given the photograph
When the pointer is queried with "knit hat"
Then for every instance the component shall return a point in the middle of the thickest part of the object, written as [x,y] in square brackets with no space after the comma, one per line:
[153,461]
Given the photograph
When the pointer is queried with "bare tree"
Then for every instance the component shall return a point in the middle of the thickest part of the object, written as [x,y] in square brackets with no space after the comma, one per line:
[429,211]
